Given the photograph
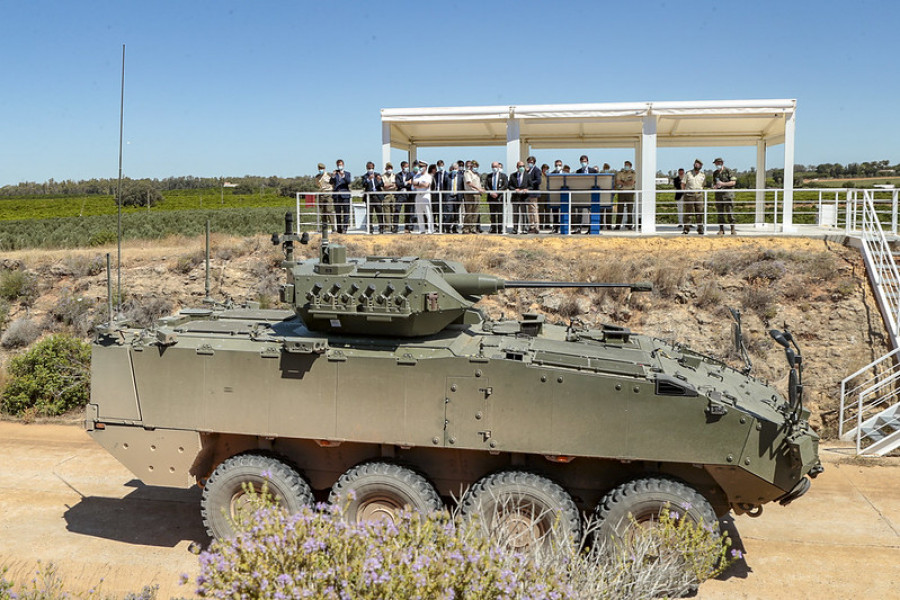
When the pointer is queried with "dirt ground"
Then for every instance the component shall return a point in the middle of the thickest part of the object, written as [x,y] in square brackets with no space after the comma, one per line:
[64,500]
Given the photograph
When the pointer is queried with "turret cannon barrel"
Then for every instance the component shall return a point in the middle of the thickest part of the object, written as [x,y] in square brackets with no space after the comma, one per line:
[479,284]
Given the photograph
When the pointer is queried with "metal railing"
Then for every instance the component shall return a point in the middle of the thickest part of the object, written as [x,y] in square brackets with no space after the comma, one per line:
[594,211]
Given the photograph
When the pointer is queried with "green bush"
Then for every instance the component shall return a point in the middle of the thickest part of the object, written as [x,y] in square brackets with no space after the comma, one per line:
[49,379]
[18,286]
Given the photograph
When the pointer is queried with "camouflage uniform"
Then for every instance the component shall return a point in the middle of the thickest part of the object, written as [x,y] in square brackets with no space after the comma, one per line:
[326,208]
[472,200]
[693,199]
[724,199]
[390,185]
[625,200]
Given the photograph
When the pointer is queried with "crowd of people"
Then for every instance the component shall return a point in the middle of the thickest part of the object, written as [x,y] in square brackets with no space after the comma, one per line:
[429,198]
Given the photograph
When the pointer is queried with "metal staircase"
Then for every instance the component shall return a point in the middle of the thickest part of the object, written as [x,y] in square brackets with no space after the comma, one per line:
[870,398]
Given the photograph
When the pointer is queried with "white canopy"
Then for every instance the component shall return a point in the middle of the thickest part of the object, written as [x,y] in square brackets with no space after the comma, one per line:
[644,126]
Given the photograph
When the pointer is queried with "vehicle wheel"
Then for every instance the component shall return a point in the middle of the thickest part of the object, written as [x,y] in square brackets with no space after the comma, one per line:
[225,500]
[524,511]
[379,491]
[645,499]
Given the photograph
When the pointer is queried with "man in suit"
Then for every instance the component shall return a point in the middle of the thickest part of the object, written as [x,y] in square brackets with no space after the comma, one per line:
[495,183]
[533,182]
[581,202]
[340,182]
[454,196]
[439,184]
[404,199]
[518,182]
[373,185]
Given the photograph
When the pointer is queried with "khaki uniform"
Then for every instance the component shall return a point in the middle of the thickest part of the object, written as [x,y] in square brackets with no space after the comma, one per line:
[390,185]
[724,199]
[326,207]
[471,205]
[625,181]
[693,199]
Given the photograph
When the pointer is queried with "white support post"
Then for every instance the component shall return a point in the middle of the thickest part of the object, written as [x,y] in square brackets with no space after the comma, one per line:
[385,144]
[413,155]
[648,174]
[760,183]
[787,222]
[513,145]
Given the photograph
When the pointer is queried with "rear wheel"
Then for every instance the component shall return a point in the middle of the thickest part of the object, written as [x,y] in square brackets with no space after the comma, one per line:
[379,491]
[524,511]
[225,499]
[640,502]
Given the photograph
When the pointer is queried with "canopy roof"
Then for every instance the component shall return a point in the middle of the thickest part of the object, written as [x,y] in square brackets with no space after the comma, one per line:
[607,125]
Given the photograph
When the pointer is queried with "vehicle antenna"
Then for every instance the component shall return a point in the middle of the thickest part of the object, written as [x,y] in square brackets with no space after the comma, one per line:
[119,190]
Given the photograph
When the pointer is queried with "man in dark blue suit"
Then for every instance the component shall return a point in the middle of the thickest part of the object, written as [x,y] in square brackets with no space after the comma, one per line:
[340,181]
[581,202]
[454,197]
[440,183]
[404,198]
[496,183]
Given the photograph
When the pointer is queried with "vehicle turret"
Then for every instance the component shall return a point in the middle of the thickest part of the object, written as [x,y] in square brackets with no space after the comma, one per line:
[404,297]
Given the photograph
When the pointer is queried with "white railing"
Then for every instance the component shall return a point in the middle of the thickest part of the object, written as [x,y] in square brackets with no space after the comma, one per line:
[880,265]
[866,393]
[759,211]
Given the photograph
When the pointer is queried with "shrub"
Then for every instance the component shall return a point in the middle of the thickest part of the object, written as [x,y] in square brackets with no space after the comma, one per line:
[20,333]
[50,379]
[103,237]
[316,554]
[186,263]
[47,585]
[141,193]
[78,265]
[4,312]
[145,311]
[760,299]
[18,286]
[769,270]
[73,311]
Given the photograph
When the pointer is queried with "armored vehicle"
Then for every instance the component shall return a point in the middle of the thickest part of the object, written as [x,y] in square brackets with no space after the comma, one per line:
[384,388]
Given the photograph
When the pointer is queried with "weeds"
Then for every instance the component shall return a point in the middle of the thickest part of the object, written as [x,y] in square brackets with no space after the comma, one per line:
[18,286]
[145,311]
[20,333]
[74,312]
[48,585]
[186,263]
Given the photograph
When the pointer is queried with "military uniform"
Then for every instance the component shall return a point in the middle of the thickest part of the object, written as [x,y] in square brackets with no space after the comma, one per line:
[624,181]
[326,208]
[693,199]
[472,200]
[724,199]
[387,202]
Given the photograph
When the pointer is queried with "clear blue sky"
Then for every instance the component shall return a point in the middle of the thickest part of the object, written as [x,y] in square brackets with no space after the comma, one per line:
[272,88]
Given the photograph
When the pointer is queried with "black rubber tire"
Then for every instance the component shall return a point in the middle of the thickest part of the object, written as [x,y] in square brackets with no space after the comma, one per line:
[224,489]
[381,490]
[645,499]
[527,510]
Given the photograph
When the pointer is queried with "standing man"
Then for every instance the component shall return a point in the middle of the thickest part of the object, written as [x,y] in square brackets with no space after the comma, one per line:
[454,197]
[326,209]
[471,216]
[581,202]
[404,201]
[724,179]
[678,182]
[624,182]
[694,181]
[495,184]
[533,182]
[554,203]
[518,182]
[340,181]
[373,185]
[439,184]
[388,208]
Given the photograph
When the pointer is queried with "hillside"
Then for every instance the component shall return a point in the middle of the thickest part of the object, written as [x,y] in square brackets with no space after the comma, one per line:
[816,287]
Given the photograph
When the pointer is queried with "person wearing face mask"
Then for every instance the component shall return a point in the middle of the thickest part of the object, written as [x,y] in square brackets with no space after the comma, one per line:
[404,200]
[533,182]
[518,182]
[421,182]
[387,201]
[439,182]
[340,181]
[694,182]
[495,183]
[554,202]
[373,185]
[624,183]
[472,198]
[453,197]
[326,209]
[724,179]
[581,202]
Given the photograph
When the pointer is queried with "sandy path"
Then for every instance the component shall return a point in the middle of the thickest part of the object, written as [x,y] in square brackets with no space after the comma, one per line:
[64,499]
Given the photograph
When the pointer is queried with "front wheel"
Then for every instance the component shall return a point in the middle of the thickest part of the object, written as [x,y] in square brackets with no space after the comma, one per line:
[225,500]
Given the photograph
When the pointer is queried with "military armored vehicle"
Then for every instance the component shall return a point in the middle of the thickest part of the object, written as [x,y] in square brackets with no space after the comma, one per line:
[384,387]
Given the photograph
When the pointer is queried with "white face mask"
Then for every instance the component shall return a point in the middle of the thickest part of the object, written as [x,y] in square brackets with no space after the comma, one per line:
[388,171]
[370,171]
[321,171]
[440,169]
[530,165]
[558,167]
[495,169]
[340,167]
[584,164]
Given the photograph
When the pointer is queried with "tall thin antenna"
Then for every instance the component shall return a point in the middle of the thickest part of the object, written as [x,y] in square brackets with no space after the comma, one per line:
[119,191]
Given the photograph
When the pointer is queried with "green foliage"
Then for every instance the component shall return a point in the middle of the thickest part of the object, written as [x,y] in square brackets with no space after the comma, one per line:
[18,286]
[50,378]
[141,193]
[73,311]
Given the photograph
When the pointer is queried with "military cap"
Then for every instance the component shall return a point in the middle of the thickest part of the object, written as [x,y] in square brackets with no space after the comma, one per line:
[699,161]
[321,166]
[718,160]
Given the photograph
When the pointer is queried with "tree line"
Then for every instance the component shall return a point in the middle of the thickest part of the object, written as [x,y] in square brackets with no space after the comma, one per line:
[289,186]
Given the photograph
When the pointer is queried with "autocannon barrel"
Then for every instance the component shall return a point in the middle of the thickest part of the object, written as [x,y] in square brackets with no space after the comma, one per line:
[478,284]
